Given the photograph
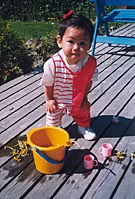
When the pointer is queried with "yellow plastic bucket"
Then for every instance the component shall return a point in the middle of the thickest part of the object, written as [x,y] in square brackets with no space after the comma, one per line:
[49,146]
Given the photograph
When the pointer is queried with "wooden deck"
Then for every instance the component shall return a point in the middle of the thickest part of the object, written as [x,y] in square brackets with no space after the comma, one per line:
[22,107]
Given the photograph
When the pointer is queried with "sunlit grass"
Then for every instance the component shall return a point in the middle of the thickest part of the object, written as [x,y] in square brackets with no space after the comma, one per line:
[29,30]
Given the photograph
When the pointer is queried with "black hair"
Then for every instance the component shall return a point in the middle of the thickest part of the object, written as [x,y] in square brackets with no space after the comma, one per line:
[79,21]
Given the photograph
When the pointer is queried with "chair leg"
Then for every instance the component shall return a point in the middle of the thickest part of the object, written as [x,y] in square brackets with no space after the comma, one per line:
[94,37]
[106,30]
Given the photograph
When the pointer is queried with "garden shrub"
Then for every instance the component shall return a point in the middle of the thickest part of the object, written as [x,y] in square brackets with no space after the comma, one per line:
[48,45]
[15,58]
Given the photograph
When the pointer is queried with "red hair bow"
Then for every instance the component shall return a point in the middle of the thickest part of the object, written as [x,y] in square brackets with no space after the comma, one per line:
[70,12]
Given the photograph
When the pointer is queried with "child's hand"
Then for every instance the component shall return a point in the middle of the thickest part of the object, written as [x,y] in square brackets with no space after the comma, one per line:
[51,105]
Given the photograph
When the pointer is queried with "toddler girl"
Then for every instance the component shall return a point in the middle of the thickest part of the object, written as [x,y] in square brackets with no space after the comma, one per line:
[68,74]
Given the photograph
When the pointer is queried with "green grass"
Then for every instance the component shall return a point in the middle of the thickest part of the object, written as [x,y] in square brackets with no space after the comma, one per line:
[29,30]
[32,29]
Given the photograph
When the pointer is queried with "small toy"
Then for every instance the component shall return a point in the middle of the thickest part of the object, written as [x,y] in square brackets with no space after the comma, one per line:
[115,119]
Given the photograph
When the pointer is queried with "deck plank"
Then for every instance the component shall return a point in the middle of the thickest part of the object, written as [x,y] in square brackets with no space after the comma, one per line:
[109,179]
[126,190]
[22,107]
[127,30]
[77,183]
[63,191]
[18,86]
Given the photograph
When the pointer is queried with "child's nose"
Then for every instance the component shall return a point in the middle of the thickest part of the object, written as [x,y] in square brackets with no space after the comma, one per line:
[76,46]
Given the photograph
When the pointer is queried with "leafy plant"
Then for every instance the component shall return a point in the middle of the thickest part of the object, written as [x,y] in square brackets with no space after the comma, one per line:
[121,155]
[20,150]
[15,58]
[36,10]
[48,44]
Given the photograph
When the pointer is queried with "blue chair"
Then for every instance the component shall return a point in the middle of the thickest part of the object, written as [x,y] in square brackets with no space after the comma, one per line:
[116,15]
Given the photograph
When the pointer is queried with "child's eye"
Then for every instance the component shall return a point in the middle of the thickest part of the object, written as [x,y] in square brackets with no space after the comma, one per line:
[70,42]
[83,43]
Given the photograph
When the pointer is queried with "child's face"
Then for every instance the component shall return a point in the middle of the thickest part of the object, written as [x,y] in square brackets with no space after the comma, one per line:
[75,44]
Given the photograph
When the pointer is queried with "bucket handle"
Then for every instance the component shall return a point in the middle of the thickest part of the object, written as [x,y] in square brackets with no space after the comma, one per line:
[50,160]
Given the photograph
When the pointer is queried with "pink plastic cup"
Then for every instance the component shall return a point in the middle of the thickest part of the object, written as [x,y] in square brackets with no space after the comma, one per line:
[106,149]
[90,162]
